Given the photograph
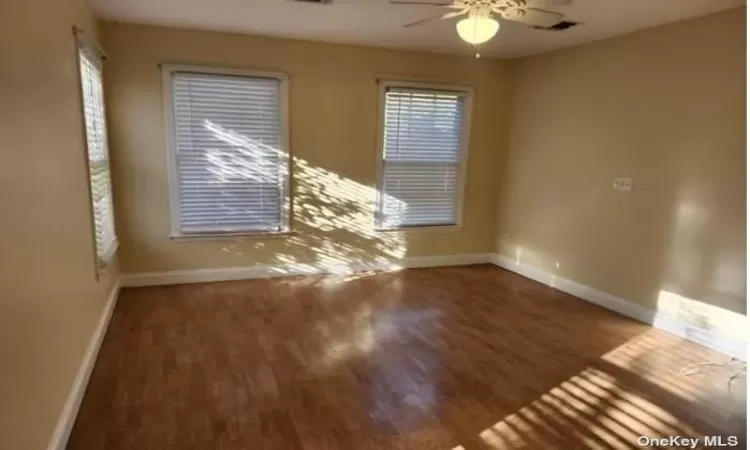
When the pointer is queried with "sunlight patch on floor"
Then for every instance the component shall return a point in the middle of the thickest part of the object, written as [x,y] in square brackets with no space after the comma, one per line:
[594,407]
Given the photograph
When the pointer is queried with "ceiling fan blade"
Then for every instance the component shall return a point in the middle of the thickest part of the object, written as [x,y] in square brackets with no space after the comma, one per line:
[453,14]
[437,5]
[407,2]
[534,17]
[421,21]
[548,3]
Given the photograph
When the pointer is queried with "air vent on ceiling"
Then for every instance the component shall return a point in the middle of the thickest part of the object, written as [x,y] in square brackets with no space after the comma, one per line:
[564,25]
[319,2]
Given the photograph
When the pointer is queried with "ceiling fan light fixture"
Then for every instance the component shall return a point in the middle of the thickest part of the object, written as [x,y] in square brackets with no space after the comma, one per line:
[477,28]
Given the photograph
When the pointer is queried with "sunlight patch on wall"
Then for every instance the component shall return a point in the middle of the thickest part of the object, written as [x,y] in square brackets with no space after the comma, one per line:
[330,202]
[690,219]
[333,216]
[704,259]
[704,317]
[729,274]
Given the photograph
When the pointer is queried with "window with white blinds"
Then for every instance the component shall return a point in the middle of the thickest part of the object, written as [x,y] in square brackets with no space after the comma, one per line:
[229,160]
[423,140]
[98,154]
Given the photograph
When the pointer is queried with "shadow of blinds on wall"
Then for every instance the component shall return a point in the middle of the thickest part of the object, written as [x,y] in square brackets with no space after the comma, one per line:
[421,150]
[229,157]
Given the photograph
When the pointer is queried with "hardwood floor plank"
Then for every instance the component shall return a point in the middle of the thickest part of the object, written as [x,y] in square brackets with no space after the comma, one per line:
[441,358]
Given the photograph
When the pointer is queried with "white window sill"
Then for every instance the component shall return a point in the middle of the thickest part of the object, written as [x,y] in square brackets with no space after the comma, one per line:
[231,236]
[420,229]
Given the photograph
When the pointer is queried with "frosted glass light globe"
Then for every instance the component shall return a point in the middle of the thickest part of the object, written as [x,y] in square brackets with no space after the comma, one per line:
[477,29]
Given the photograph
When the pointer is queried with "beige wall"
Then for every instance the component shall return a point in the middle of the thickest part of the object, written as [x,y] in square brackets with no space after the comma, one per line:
[664,106]
[333,103]
[50,301]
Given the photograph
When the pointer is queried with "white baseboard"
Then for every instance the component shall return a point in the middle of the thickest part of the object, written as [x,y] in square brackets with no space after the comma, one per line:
[253,272]
[712,337]
[70,411]
[708,336]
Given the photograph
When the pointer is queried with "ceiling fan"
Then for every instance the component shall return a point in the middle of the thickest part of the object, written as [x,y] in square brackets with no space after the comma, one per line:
[481,24]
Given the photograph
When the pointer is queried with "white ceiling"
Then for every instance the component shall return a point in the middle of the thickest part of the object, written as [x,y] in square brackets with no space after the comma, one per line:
[377,23]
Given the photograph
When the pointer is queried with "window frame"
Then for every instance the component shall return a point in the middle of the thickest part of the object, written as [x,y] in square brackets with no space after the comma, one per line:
[84,48]
[463,159]
[172,176]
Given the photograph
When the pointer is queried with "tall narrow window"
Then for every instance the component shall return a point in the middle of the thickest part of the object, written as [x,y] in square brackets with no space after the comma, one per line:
[228,151]
[423,135]
[90,62]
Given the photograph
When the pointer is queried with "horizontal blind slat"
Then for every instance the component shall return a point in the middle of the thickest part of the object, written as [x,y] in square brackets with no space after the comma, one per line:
[422,140]
[98,156]
[230,160]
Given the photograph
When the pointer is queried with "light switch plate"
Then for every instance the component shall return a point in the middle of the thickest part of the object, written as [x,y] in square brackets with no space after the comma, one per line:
[622,184]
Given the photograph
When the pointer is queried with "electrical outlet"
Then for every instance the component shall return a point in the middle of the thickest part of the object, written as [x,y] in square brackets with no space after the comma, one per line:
[622,184]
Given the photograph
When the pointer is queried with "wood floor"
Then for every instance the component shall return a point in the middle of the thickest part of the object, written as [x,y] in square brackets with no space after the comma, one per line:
[443,358]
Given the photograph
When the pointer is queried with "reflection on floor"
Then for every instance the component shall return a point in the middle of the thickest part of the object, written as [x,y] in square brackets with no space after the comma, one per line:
[443,358]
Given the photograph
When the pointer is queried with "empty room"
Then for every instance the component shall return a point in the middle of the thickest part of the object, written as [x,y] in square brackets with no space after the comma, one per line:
[373,224]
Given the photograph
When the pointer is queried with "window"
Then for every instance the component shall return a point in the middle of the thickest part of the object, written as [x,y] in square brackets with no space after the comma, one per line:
[228,157]
[90,62]
[424,134]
